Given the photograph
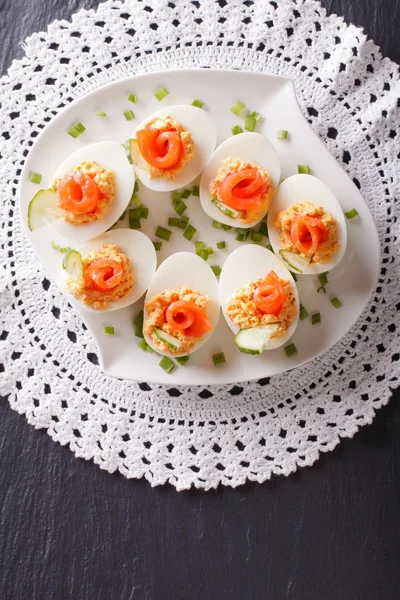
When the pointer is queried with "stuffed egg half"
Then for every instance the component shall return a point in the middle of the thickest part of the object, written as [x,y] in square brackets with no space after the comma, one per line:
[306,225]
[253,277]
[181,308]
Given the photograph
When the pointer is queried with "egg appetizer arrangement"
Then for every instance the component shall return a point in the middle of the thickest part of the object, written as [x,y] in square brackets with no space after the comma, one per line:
[239,186]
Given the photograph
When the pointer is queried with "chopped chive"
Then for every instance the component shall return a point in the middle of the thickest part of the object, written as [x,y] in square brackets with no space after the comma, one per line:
[157,245]
[136,187]
[303,313]
[290,350]
[315,318]
[217,270]
[240,238]
[143,345]
[35,177]
[237,108]
[282,134]
[236,129]
[321,289]
[176,197]
[303,169]
[219,358]
[336,302]
[76,130]
[255,115]
[350,214]
[65,249]
[55,246]
[209,250]
[132,98]
[270,248]
[135,224]
[185,194]
[182,360]
[167,364]
[226,227]
[293,275]
[135,201]
[161,93]
[139,331]
[129,115]
[242,230]
[221,245]
[182,224]
[196,190]
[203,254]
[100,113]
[199,246]
[180,208]
[189,232]
[173,222]
[197,103]
[109,330]
[138,320]
[250,123]
[144,212]
[163,233]
[256,236]
[184,220]
[217,225]
[134,214]
[263,229]
[323,278]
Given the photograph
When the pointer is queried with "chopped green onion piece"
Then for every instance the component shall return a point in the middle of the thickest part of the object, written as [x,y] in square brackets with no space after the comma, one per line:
[157,245]
[255,115]
[133,98]
[134,214]
[109,330]
[136,187]
[135,201]
[240,238]
[250,123]
[221,245]
[76,130]
[143,345]
[323,278]
[315,318]
[236,129]
[144,212]
[35,177]
[217,270]
[237,108]
[197,103]
[282,134]
[290,350]
[167,364]
[203,254]
[336,302]
[303,169]
[184,220]
[263,229]
[100,113]
[134,224]
[186,193]
[209,250]
[242,230]
[182,360]
[321,289]
[139,331]
[173,222]
[256,236]
[219,359]
[217,225]
[129,115]
[270,248]
[65,249]
[294,276]
[350,214]
[199,246]
[303,313]
[180,208]
[163,233]
[176,197]
[226,227]
[161,94]
[196,190]
[189,232]
[55,246]
[182,224]
[138,320]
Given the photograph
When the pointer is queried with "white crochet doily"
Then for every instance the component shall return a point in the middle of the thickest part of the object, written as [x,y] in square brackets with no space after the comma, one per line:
[227,434]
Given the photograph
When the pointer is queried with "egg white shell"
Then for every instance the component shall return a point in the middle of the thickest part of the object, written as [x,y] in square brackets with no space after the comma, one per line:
[298,188]
[140,249]
[252,147]
[185,269]
[109,155]
[199,123]
[248,263]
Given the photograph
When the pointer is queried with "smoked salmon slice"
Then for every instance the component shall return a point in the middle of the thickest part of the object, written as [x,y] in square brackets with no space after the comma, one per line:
[270,296]
[243,190]
[189,318]
[78,193]
[306,233]
[161,149]
[103,274]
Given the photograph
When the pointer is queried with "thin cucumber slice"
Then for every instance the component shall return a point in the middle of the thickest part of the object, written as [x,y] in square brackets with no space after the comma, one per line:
[42,209]
[73,264]
[231,212]
[168,340]
[255,339]
[295,261]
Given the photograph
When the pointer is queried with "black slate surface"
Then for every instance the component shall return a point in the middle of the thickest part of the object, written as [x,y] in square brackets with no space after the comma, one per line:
[70,531]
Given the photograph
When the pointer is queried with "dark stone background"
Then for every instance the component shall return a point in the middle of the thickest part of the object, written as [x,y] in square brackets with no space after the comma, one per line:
[71,531]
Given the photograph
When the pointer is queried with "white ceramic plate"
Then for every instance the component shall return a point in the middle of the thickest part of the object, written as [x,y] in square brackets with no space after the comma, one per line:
[353,280]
